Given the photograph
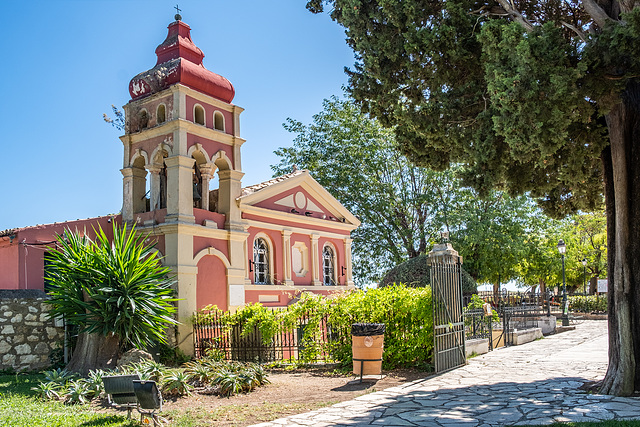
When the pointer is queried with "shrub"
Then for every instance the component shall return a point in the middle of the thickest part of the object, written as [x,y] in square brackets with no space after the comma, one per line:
[405,311]
[176,383]
[588,303]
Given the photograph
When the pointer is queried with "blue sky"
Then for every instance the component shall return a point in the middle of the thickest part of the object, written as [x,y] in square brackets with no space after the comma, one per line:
[66,62]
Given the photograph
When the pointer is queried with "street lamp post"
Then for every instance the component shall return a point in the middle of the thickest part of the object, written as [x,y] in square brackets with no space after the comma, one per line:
[584,286]
[562,248]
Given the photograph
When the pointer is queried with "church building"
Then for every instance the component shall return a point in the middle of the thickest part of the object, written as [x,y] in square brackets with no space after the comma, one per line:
[227,244]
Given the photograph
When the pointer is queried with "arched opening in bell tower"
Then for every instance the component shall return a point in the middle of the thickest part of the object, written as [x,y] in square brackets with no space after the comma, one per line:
[139,191]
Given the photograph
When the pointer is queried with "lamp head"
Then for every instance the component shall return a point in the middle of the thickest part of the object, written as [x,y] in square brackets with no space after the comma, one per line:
[584,262]
[562,248]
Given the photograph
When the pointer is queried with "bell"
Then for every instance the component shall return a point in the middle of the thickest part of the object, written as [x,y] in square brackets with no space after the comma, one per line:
[196,193]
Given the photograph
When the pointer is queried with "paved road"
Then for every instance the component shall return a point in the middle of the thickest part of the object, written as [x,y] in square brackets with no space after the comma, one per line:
[535,383]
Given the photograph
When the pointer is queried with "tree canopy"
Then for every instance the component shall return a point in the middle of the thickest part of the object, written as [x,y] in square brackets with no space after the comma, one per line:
[540,97]
[402,206]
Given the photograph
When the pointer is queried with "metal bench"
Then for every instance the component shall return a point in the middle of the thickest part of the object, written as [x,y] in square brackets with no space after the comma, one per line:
[120,391]
[149,400]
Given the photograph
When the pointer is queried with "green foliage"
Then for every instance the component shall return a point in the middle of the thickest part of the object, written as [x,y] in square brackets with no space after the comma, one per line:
[238,378]
[48,390]
[477,303]
[176,383]
[171,355]
[78,392]
[111,286]
[59,376]
[403,207]
[588,303]
[405,311]
[520,105]
[21,406]
[355,159]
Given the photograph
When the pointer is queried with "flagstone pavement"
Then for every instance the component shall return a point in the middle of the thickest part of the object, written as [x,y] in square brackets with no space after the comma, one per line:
[531,384]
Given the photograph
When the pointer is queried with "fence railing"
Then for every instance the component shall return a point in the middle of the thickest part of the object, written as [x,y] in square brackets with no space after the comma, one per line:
[303,342]
[521,318]
[477,324]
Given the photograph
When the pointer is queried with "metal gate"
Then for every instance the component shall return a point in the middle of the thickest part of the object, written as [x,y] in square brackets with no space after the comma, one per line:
[446,290]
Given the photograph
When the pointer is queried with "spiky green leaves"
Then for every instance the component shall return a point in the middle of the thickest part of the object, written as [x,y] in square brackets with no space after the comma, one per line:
[112,286]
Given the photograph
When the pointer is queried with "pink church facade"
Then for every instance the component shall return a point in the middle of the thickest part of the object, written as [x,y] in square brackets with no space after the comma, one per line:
[228,245]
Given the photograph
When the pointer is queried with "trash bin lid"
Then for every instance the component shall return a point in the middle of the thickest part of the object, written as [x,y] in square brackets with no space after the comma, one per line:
[367,329]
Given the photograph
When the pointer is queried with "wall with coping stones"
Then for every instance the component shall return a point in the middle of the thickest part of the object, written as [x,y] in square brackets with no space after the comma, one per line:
[27,336]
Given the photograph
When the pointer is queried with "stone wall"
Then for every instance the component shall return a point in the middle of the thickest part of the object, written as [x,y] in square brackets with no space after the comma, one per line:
[27,336]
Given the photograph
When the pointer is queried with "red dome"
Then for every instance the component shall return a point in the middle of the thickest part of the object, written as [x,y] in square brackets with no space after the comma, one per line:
[180,61]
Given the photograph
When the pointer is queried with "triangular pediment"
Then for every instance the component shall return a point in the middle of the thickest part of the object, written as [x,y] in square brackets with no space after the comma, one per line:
[298,195]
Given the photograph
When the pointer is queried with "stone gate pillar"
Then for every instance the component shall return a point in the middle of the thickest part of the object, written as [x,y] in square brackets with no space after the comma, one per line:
[446,291]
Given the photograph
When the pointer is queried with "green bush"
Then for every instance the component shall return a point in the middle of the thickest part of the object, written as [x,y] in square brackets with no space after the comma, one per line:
[588,303]
[405,311]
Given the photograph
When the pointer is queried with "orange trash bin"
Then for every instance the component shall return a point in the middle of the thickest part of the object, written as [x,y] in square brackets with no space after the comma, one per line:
[367,347]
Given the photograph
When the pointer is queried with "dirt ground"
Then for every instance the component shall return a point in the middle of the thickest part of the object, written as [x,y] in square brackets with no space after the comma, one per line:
[288,393]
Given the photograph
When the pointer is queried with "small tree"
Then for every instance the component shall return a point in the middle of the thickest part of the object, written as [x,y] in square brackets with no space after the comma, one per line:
[116,292]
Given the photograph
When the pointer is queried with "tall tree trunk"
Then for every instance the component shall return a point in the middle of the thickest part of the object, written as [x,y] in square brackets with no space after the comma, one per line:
[94,351]
[622,194]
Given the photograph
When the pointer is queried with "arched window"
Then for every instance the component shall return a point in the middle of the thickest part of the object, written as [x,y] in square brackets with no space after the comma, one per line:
[328,267]
[218,121]
[198,115]
[143,119]
[161,114]
[261,262]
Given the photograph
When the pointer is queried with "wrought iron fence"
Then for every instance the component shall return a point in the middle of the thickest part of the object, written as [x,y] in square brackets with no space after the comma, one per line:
[477,324]
[521,318]
[306,342]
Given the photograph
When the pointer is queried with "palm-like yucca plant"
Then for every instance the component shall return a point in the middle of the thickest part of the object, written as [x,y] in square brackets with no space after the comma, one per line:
[59,376]
[200,371]
[114,289]
[151,370]
[94,380]
[78,391]
[176,382]
[48,390]
[257,373]
[230,383]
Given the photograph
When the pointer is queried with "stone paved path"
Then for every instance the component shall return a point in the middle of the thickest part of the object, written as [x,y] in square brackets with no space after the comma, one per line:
[535,383]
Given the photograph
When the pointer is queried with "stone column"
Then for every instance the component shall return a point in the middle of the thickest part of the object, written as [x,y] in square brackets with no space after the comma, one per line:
[286,257]
[229,191]
[179,257]
[206,172]
[315,258]
[127,193]
[348,262]
[180,189]
[154,197]
[236,273]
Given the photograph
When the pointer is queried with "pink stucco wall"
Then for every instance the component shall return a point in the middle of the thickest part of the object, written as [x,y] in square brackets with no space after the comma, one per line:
[276,221]
[200,243]
[270,204]
[210,146]
[149,145]
[202,214]
[211,285]
[25,255]
[8,265]
[303,238]
[208,114]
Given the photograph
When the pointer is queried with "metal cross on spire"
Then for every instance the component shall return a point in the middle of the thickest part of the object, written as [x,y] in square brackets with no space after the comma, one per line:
[178,10]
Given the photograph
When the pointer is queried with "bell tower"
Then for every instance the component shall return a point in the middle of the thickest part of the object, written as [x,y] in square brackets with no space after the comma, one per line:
[181,132]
